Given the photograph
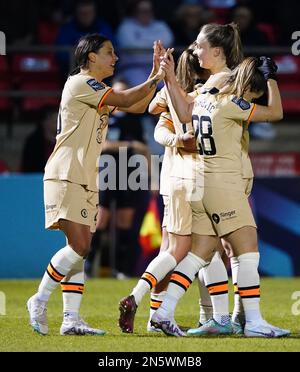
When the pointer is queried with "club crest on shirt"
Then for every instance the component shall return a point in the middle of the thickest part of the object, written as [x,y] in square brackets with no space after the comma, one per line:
[94,84]
[244,105]
[84,213]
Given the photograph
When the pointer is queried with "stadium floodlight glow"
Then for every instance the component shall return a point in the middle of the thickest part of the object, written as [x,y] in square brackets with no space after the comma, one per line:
[2,44]
[296,44]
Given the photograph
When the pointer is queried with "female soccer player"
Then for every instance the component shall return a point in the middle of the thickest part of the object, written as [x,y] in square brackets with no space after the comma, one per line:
[219,206]
[174,136]
[222,41]
[217,43]
[70,181]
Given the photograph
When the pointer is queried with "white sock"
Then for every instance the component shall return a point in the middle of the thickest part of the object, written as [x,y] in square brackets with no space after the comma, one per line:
[238,314]
[72,287]
[248,285]
[155,301]
[181,279]
[61,263]
[216,280]
[205,304]
[155,272]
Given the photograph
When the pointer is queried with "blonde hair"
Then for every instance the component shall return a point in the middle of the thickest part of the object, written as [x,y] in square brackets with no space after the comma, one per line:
[188,70]
[228,38]
[245,76]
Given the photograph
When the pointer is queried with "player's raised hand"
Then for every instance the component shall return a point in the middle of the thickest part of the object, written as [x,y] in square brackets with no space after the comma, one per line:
[267,67]
[156,56]
[167,64]
[161,49]
[158,52]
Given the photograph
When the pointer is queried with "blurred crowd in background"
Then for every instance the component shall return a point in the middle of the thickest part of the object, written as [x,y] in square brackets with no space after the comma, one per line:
[132,25]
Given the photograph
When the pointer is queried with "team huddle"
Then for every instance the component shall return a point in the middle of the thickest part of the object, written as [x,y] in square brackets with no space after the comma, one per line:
[206,179]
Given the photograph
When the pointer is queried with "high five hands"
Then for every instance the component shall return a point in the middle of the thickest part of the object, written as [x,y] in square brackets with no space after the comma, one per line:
[163,62]
[167,64]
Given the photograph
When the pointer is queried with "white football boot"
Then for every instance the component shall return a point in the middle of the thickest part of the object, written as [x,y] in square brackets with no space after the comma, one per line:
[78,327]
[264,329]
[167,324]
[38,314]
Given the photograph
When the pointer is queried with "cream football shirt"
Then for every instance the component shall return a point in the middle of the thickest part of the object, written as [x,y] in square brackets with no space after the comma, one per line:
[81,130]
[219,122]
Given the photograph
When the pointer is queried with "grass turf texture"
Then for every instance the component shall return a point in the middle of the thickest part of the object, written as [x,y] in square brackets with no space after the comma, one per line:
[100,309]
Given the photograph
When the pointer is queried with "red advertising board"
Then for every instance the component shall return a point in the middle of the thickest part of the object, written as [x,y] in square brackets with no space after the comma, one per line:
[271,164]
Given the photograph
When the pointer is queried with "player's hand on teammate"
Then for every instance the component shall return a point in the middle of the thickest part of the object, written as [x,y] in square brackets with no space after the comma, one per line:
[189,141]
[267,67]
[167,64]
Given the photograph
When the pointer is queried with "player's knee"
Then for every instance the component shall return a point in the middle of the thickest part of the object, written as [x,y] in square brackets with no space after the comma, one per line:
[178,253]
[81,247]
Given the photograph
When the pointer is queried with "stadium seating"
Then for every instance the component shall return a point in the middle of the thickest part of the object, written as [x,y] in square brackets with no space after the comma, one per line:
[5,102]
[270,32]
[33,73]
[289,82]
[34,67]
[5,85]
[35,103]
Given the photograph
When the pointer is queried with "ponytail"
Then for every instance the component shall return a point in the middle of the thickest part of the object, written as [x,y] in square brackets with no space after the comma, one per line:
[236,53]
[245,76]
[188,70]
[228,38]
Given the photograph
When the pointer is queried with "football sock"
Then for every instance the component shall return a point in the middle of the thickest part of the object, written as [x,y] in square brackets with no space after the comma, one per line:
[59,266]
[155,272]
[248,285]
[72,287]
[155,301]
[181,279]
[216,279]
[205,304]
[238,315]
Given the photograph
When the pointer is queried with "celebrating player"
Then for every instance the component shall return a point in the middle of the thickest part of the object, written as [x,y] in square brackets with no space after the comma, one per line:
[219,205]
[217,46]
[70,181]
[170,133]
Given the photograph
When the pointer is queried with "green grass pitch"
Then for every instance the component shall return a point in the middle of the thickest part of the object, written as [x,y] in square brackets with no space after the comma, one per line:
[100,308]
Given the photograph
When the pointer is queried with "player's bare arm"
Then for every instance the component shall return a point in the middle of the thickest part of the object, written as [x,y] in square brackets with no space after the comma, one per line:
[133,95]
[272,112]
[178,97]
